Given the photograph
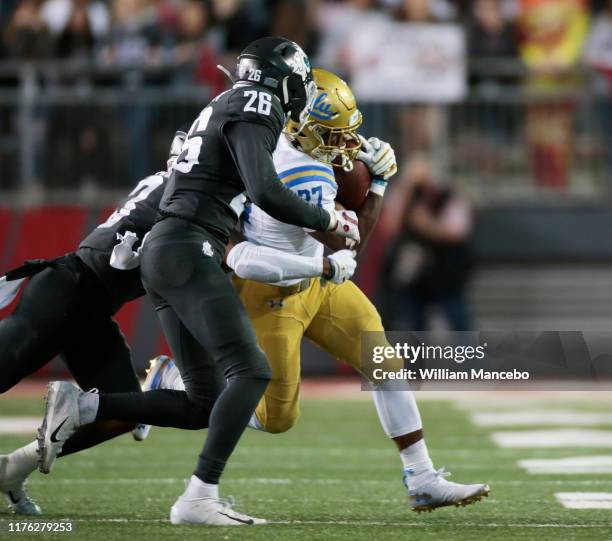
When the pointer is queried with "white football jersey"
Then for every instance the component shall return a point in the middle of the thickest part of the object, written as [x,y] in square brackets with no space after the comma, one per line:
[314,182]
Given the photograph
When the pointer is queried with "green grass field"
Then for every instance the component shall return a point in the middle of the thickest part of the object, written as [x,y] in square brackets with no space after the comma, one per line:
[334,476]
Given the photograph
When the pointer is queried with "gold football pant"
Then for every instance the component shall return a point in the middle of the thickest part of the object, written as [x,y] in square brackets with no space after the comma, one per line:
[332,316]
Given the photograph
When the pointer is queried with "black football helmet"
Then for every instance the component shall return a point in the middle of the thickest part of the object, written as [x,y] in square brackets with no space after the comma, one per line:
[281,65]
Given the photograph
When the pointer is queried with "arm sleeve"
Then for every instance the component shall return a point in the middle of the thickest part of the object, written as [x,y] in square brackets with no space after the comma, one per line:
[251,146]
[263,264]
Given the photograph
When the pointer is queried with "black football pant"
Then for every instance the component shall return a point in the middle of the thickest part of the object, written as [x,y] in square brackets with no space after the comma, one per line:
[64,310]
[200,312]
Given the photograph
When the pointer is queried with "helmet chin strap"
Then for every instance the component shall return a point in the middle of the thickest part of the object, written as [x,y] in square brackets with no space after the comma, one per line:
[226,72]
[285,90]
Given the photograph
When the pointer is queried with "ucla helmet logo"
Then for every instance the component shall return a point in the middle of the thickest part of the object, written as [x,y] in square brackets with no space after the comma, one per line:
[322,109]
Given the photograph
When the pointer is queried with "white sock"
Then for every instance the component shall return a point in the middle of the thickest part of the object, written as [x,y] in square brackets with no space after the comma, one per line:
[416,461]
[21,463]
[397,409]
[255,423]
[196,488]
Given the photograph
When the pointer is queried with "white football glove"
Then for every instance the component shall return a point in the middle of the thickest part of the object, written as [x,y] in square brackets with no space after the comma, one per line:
[344,223]
[343,266]
[379,157]
[123,256]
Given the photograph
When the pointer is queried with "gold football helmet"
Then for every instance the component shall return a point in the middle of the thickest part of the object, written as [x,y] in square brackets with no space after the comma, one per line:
[330,133]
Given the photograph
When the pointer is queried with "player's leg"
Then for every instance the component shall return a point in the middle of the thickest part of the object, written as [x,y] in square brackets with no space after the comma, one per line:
[208,307]
[161,374]
[97,356]
[29,338]
[279,317]
[344,315]
[100,358]
[33,334]
[203,304]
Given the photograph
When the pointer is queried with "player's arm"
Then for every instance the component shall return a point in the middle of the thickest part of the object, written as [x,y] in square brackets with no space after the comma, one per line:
[379,157]
[367,217]
[264,264]
[252,145]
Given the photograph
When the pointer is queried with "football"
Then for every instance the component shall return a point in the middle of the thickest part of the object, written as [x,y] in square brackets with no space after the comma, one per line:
[353,185]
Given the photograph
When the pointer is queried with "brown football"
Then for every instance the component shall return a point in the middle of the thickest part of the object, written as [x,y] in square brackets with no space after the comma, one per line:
[353,185]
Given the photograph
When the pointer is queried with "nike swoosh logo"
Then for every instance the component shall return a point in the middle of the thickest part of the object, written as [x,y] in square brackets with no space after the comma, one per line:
[12,498]
[53,436]
[236,518]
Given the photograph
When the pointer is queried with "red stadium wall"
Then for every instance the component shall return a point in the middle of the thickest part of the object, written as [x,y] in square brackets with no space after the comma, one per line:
[50,231]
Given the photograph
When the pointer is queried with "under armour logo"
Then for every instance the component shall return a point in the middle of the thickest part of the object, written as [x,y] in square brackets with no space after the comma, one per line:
[207,249]
[276,304]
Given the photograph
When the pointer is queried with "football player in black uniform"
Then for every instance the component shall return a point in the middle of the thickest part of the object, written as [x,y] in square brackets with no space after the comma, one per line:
[67,309]
[228,150]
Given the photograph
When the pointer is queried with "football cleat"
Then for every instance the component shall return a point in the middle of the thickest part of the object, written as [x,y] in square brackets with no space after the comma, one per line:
[13,489]
[212,511]
[62,418]
[435,491]
[155,375]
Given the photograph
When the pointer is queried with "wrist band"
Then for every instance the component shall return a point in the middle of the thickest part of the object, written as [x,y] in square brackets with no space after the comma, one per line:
[378,186]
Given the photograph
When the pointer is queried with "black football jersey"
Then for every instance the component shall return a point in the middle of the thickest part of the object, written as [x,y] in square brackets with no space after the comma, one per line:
[137,214]
[205,179]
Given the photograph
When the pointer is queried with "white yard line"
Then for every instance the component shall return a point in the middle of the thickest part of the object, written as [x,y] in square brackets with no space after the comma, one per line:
[19,425]
[568,466]
[585,500]
[559,439]
[541,417]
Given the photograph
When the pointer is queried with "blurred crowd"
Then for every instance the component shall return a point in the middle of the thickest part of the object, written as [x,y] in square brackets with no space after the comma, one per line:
[526,44]
[553,49]
[550,47]
[195,33]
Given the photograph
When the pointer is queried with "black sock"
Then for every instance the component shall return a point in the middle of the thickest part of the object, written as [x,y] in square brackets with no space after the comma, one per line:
[228,419]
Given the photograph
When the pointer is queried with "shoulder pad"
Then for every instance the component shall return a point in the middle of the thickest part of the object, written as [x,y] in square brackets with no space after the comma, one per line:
[256,104]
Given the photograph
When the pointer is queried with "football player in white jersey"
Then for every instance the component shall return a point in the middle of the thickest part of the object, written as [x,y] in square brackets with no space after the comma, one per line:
[276,272]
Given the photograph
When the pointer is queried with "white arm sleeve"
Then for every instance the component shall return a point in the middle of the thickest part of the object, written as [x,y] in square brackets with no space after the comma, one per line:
[262,264]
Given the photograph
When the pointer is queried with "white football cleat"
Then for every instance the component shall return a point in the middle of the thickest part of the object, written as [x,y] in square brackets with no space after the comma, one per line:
[62,418]
[434,491]
[212,511]
[155,375]
[13,489]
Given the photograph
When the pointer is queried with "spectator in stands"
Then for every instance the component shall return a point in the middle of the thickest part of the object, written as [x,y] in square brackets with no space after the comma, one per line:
[136,41]
[241,21]
[495,69]
[598,56]
[553,33]
[193,50]
[429,262]
[421,10]
[491,37]
[421,123]
[27,36]
[136,34]
[336,22]
[76,26]
[295,19]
